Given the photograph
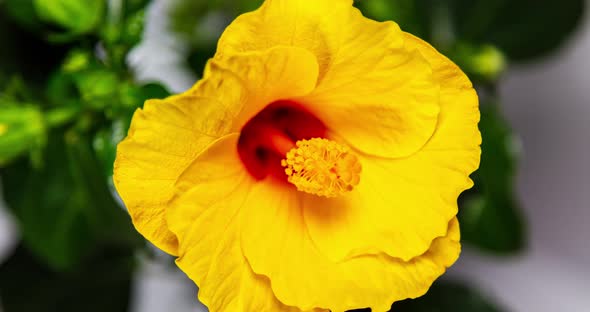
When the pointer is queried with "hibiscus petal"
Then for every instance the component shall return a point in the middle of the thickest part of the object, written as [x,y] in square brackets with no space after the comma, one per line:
[220,212]
[279,73]
[211,192]
[275,242]
[161,142]
[401,205]
[217,173]
[166,135]
[372,91]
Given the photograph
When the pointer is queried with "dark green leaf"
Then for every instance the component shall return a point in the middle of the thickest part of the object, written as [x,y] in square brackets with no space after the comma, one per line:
[105,143]
[20,54]
[413,16]
[198,57]
[133,6]
[65,208]
[448,297]
[133,29]
[61,90]
[489,214]
[520,28]
[445,297]
[133,96]
[101,283]
[23,12]
[123,35]
[153,91]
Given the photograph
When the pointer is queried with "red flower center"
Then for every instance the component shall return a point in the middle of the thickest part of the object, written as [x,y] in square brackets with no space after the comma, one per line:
[268,136]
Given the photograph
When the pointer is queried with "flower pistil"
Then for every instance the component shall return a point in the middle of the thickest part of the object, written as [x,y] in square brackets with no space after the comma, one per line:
[322,167]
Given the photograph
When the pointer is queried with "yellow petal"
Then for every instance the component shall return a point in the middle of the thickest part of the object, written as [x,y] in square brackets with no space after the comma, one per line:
[161,142]
[392,210]
[166,135]
[421,191]
[217,173]
[211,192]
[372,91]
[459,110]
[306,24]
[401,205]
[221,215]
[275,243]
[276,74]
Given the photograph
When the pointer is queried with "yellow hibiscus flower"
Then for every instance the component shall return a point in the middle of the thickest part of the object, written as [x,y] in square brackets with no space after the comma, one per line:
[316,166]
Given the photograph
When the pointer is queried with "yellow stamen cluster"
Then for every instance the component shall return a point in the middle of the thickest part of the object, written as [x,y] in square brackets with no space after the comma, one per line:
[322,167]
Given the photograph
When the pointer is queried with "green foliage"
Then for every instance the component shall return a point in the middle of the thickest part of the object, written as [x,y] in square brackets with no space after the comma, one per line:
[22,130]
[72,205]
[519,29]
[201,22]
[489,215]
[101,283]
[20,57]
[448,297]
[76,17]
[22,11]
[483,62]
[69,123]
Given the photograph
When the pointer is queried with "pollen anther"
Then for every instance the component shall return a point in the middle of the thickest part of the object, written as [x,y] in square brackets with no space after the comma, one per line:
[322,167]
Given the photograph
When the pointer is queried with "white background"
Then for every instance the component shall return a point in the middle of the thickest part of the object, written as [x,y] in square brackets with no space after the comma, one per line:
[548,105]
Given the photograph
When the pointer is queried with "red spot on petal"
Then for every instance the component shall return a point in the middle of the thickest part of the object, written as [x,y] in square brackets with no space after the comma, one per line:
[265,138]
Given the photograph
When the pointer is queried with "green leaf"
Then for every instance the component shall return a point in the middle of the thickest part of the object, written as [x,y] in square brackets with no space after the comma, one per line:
[23,12]
[133,96]
[447,297]
[413,16]
[489,213]
[101,283]
[153,90]
[22,130]
[20,54]
[133,6]
[520,28]
[106,139]
[482,62]
[105,143]
[97,87]
[121,36]
[72,208]
[133,29]
[77,17]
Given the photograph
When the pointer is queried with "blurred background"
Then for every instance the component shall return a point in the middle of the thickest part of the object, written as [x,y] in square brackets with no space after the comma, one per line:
[72,72]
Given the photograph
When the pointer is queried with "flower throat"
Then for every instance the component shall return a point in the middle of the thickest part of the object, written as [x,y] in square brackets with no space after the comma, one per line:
[287,142]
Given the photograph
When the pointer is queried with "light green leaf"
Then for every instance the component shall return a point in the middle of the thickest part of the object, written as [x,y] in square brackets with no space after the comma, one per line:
[22,130]
[97,87]
[77,17]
